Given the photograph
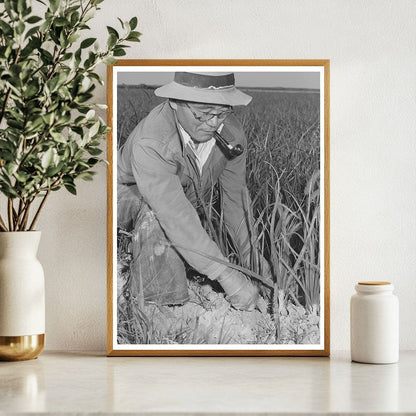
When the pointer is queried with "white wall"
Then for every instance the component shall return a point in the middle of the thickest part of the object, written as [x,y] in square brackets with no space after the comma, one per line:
[371,45]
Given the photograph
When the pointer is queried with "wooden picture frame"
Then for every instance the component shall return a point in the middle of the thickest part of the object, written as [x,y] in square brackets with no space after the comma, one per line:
[289,122]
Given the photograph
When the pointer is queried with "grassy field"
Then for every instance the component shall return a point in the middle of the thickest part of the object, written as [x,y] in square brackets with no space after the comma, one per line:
[283,174]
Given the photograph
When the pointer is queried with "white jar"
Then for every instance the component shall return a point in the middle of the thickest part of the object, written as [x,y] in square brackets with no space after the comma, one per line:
[374,323]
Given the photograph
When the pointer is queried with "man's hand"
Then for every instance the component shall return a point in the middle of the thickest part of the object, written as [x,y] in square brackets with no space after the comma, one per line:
[240,291]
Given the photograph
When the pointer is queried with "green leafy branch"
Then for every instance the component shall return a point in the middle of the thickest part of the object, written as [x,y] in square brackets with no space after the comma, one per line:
[50,134]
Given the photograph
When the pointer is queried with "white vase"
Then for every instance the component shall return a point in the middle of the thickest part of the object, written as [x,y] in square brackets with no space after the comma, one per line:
[22,296]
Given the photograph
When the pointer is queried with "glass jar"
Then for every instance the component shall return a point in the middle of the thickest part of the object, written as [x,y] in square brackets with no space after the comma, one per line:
[374,323]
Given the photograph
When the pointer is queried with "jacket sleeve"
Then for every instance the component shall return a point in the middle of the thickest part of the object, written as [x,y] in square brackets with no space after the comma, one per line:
[235,198]
[155,175]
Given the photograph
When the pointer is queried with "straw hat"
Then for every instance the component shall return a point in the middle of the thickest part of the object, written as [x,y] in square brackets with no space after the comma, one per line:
[210,88]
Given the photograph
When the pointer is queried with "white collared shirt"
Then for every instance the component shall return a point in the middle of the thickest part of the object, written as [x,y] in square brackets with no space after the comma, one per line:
[202,151]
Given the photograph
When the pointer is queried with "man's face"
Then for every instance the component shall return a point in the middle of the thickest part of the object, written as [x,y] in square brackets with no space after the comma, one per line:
[201,120]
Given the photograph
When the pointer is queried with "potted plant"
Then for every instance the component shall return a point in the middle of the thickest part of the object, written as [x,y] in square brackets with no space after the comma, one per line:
[50,136]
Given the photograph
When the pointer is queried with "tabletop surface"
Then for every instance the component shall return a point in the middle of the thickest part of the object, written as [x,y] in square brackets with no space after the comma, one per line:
[86,383]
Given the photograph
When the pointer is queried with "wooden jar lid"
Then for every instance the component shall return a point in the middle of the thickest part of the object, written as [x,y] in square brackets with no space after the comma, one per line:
[374,283]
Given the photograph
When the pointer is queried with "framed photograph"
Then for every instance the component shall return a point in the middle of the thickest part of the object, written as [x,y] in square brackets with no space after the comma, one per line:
[218,208]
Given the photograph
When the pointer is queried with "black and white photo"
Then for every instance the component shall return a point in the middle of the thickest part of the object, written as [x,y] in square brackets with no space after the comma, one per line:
[219,227]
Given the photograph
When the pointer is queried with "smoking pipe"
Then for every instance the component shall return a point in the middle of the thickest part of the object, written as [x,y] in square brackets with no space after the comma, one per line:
[230,151]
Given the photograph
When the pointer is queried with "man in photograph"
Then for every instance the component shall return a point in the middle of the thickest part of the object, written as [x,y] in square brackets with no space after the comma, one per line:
[167,171]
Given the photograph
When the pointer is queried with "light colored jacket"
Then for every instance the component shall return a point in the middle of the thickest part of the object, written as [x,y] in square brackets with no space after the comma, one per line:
[168,179]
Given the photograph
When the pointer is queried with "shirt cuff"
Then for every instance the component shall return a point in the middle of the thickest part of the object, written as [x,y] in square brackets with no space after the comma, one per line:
[215,270]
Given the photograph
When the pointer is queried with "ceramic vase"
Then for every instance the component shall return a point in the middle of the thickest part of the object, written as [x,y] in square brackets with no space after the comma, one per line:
[374,323]
[22,296]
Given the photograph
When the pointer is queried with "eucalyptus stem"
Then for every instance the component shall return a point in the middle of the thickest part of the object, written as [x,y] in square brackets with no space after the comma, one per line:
[2,224]
[19,215]
[23,209]
[39,210]
[26,215]
[10,213]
